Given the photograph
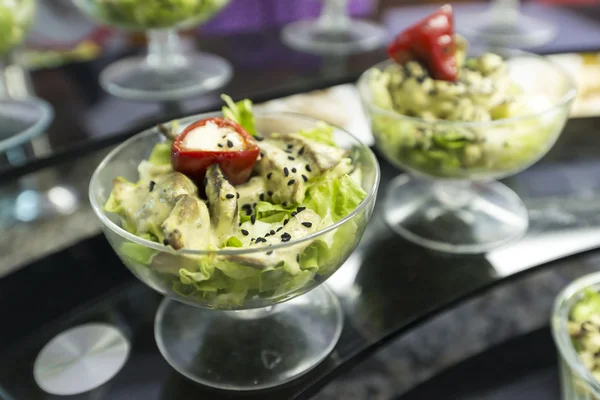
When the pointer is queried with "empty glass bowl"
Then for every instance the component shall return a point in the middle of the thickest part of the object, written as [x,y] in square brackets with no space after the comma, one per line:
[243,327]
[166,72]
[450,201]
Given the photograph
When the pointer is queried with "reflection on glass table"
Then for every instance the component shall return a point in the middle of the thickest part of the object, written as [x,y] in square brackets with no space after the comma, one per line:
[334,32]
[167,72]
[450,201]
[241,318]
[504,25]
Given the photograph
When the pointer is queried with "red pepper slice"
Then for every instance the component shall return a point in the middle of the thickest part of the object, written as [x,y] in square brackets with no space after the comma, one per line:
[236,164]
[430,41]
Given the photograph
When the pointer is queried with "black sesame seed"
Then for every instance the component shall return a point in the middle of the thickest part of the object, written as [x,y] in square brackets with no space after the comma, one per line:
[291,158]
[280,228]
[284,204]
[307,224]
[259,138]
[166,242]
[272,232]
[261,197]
[299,209]
[305,178]
[267,234]
[246,205]
[291,182]
[229,196]
[253,219]
[285,222]
[294,170]
[285,237]
[290,146]
[152,184]
[270,193]
[224,136]
[286,171]
[262,154]
[294,213]
[269,175]
[229,144]
[245,232]
[308,168]
[301,151]
[252,239]
[220,145]
[269,252]
[288,151]
[260,240]
[249,211]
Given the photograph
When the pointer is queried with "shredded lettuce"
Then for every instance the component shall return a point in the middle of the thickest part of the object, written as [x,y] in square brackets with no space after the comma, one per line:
[240,112]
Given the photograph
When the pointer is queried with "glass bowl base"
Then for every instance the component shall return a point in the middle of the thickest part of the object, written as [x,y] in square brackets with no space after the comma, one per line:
[249,349]
[522,33]
[310,37]
[464,218]
[135,78]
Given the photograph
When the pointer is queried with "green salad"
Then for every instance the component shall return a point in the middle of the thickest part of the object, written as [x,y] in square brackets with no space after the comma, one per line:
[151,14]
[16,17]
[301,183]
[456,129]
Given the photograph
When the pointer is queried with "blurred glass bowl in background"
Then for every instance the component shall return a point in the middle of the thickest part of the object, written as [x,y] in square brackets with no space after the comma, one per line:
[452,205]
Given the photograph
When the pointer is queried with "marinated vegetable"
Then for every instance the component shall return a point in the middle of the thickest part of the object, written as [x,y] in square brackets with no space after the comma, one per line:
[300,183]
[439,112]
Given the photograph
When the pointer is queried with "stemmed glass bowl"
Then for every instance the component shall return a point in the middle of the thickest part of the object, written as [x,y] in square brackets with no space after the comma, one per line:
[167,72]
[21,119]
[450,200]
[243,327]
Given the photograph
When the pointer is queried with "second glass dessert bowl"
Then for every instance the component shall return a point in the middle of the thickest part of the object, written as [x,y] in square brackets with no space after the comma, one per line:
[232,318]
[450,200]
[167,72]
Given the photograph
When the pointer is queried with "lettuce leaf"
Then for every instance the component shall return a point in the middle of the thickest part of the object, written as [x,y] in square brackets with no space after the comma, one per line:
[322,133]
[161,154]
[240,112]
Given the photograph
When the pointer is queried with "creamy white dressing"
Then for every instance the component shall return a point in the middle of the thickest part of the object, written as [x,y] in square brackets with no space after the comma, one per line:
[213,138]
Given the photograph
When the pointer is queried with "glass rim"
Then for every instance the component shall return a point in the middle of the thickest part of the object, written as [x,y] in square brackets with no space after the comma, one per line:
[560,334]
[107,222]
[564,101]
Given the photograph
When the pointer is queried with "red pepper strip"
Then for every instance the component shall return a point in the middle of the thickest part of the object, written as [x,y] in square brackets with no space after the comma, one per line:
[236,164]
[430,41]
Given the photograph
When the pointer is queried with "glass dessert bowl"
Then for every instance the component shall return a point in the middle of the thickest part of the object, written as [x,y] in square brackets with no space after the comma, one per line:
[232,318]
[21,119]
[575,328]
[166,72]
[503,113]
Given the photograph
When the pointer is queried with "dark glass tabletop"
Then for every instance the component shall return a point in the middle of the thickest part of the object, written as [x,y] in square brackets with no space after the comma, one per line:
[386,287]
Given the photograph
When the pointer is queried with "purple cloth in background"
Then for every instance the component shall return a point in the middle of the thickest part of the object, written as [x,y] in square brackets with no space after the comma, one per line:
[253,15]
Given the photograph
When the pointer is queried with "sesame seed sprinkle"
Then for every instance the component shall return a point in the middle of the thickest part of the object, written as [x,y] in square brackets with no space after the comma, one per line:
[269,252]
[285,237]
[166,242]
[301,151]
[261,197]
[307,224]
[299,209]
[229,144]
[245,232]
[152,184]
[220,145]
[286,171]
[294,213]
[308,168]
[294,170]
[291,158]
[269,175]
[229,196]
[253,219]
[304,178]
[270,193]
[291,182]
[272,232]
